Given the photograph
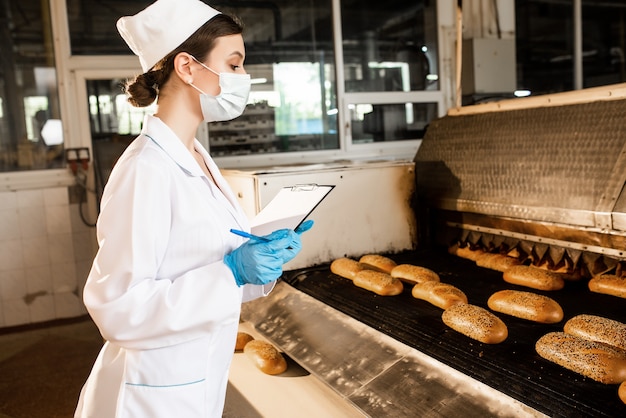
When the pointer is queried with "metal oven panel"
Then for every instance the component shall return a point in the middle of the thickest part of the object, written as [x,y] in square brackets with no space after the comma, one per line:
[377,373]
[357,342]
[562,164]
[370,208]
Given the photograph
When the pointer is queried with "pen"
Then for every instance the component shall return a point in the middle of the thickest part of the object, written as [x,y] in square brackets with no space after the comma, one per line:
[248,235]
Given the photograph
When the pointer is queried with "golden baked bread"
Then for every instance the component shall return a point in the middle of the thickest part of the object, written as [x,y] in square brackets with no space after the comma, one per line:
[621,392]
[476,323]
[533,277]
[265,357]
[526,305]
[411,274]
[609,284]
[597,328]
[567,273]
[465,252]
[346,267]
[243,338]
[378,282]
[442,295]
[598,361]
[378,262]
[494,261]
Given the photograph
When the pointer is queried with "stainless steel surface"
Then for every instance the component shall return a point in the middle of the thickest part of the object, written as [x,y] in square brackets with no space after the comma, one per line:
[294,393]
[541,164]
[547,242]
[378,374]
[554,166]
[619,213]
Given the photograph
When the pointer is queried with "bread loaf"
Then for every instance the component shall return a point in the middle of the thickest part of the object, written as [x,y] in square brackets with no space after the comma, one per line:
[609,284]
[378,282]
[621,392]
[597,328]
[598,361]
[526,305]
[533,277]
[465,252]
[411,274]
[265,357]
[567,273]
[442,295]
[346,267]
[476,323]
[378,262]
[499,262]
[243,338]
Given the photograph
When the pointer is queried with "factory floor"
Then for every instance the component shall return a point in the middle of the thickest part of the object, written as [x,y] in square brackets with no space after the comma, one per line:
[43,367]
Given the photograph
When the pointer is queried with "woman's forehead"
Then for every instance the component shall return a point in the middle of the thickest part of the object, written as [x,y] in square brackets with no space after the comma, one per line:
[229,45]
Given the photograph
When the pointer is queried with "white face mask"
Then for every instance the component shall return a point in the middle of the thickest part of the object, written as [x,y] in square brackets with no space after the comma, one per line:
[232,100]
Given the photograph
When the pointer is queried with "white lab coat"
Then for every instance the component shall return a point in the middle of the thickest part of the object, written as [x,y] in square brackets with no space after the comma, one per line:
[159,291]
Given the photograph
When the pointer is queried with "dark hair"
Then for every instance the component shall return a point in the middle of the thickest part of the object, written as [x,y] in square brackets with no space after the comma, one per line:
[143,89]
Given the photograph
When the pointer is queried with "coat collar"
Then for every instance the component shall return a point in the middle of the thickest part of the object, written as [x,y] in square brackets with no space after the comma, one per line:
[161,134]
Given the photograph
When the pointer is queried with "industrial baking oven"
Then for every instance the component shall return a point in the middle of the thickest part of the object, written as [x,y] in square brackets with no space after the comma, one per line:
[541,180]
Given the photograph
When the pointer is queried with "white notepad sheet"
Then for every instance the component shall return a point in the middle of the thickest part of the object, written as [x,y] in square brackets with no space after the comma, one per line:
[289,208]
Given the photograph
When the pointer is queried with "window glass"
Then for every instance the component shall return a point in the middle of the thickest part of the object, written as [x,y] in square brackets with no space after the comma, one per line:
[92,25]
[290,57]
[545,44]
[114,123]
[389,45]
[31,135]
[604,42]
[390,122]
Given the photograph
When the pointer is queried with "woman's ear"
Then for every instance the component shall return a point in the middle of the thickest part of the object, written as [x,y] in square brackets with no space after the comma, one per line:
[182,67]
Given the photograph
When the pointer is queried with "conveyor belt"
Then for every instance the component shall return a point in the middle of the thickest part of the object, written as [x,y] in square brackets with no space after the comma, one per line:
[512,367]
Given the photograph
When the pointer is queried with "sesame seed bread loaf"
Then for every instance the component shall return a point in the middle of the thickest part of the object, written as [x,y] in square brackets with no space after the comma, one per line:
[526,305]
[597,328]
[378,262]
[442,295]
[608,284]
[346,267]
[533,277]
[465,252]
[598,361]
[378,282]
[476,323]
[265,357]
[243,338]
[494,261]
[411,274]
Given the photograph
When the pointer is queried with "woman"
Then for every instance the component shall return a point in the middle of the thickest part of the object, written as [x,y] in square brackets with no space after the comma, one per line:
[168,280]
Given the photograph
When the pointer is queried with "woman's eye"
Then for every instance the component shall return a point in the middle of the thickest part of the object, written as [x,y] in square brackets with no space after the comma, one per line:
[235,67]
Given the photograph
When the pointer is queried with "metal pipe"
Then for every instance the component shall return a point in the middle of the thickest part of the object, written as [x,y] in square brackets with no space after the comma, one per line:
[578,45]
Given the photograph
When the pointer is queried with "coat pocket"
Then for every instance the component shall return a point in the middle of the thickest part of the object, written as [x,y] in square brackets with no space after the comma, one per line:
[183,400]
[161,381]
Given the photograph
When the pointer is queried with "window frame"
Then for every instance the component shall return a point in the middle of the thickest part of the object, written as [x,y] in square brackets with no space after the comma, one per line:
[72,71]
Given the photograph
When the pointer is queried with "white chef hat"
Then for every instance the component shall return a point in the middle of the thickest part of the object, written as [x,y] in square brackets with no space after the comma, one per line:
[162,27]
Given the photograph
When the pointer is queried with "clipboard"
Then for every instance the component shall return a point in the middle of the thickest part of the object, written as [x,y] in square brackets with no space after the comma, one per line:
[289,208]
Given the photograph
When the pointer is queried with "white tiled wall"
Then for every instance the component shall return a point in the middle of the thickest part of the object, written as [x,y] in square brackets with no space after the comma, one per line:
[45,255]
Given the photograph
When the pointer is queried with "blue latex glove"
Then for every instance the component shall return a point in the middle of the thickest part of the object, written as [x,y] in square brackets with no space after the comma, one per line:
[296,245]
[304,226]
[261,262]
